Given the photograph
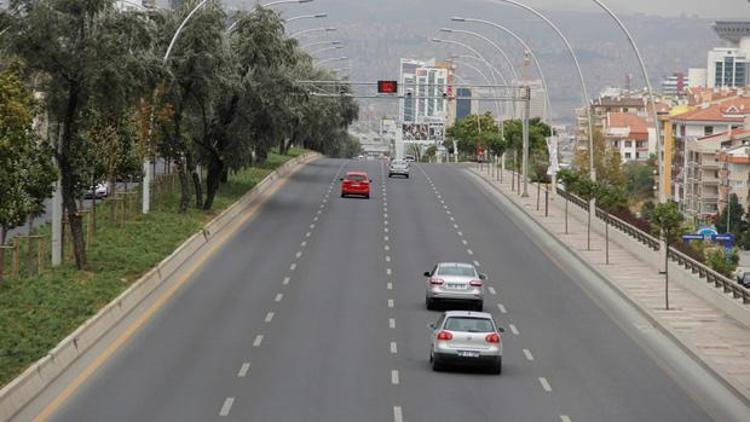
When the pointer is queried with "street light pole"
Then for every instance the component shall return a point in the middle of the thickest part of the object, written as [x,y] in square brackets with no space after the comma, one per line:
[324,49]
[482,74]
[307,31]
[315,16]
[333,59]
[313,44]
[273,3]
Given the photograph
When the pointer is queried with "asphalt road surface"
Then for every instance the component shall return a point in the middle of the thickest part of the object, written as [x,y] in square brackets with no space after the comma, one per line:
[314,311]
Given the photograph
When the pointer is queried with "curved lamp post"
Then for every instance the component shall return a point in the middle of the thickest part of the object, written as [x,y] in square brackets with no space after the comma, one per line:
[313,44]
[315,16]
[307,31]
[324,49]
[526,47]
[478,71]
[488,41]
[660,181]
[333,59]
[273,3]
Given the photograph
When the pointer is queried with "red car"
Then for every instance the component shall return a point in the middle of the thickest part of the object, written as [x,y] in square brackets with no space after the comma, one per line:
[355,183]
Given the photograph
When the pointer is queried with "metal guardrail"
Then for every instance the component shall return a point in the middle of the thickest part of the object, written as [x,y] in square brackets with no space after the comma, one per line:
[711,276]
[703,271]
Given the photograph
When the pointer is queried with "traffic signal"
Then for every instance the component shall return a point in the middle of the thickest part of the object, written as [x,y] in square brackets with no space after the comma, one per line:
[387,87]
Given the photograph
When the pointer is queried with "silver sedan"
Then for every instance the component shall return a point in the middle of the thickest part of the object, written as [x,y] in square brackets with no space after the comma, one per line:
[454,282]
[466,338]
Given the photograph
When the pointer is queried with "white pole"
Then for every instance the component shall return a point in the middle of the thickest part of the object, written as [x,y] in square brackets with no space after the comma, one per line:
[57,214]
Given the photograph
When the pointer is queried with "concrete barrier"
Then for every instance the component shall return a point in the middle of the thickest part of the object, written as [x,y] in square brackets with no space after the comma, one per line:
[24,388]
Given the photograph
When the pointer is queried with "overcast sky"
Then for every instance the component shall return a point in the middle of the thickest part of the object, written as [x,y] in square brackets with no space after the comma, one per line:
[703,8]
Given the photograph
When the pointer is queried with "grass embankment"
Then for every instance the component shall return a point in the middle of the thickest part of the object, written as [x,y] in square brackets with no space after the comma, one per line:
[37,312]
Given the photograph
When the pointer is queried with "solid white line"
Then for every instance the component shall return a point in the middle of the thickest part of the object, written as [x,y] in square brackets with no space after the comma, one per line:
[243,370]
[513,329]
[387,258]
[269,316]
[279,296]
[226,407]
[394,347]
[545,384]
[389,286]
[388,271]
[394,376]
[390,303]
[470,252]
[502,308]
[391,323]
[492,290]
[528,354]
[398,415]
[258,340]
[476,263]
[286,281]
[292,267]
[299,254]
[565,418]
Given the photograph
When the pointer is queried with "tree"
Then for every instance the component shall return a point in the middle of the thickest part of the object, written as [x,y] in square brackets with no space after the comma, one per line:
[736,212]
[26,169]
[667,218]
[473,129]
[85,56]
[639,178]
[607,162]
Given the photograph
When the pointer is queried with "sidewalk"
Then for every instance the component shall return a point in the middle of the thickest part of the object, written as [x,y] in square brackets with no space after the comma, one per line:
[720,341]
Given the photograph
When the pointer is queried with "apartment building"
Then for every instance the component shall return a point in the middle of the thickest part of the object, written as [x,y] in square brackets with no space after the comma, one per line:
[632,135]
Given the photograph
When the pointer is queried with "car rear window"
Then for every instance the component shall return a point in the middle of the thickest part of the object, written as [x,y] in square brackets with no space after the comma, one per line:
[469,324]
[356,178]
[456,270]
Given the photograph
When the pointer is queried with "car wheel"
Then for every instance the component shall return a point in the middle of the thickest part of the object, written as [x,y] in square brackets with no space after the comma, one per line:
[367,196]
[498,367]
[436,366]
[407,176]
[343,194]
[389,175]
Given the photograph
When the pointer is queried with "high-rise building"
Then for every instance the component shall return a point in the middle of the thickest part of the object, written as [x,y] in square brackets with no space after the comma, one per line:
[729,66]
[674,85]
[463,106]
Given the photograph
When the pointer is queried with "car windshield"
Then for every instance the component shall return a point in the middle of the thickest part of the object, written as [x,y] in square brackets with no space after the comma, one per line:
[356,178]
[469,324]
[456,270]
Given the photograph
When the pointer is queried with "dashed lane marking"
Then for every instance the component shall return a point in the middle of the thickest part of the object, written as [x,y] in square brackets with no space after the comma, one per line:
[392,323]
[278,297]
[470,252]
[286,281]
[565,418]
[492,290]
[269,316]
[390,303]
[545,384]
[307,234]
[387,258]
[386,247]
[502,309]
[292,267]
[455,226]
[258,340]
[398,415]
[388,271]
[298,254]
[460,233]
[303,244]
[226,407]
[394,377]
[476,263]
[513,329]
[528,354]
[243,370]
[394,347]
[312,226]
[385,229]
[386,238]
[464,242]
[389,286]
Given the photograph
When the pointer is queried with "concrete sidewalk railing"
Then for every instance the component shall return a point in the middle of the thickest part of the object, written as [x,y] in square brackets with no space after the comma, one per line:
[24,388]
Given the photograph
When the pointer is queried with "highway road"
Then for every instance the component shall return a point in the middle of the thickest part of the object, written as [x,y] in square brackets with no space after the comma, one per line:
[314,311]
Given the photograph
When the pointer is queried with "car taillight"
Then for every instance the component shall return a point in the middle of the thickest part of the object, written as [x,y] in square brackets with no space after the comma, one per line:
[435,280]
[445,335]
[492,338]
[476,283]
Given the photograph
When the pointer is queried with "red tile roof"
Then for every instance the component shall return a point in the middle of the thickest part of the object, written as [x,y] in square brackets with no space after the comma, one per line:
[737,133]
[636,124]
[729,111]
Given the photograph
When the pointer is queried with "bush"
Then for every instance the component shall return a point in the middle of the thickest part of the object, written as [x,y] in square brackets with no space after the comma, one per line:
[722,262]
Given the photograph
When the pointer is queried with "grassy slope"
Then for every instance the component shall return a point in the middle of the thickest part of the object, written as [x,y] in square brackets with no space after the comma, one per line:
[37,312]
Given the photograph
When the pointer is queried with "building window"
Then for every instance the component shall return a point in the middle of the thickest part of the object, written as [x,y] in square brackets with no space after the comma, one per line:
[708,130]
[628,144]
[627,155]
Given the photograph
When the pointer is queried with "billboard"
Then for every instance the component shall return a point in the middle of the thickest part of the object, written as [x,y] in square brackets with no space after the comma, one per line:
[423,131]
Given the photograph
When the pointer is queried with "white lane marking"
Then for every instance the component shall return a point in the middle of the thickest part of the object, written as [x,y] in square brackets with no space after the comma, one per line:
[319,212]
[470,252]
[386,247]
[269,316]
[565,418]
[307,234]
[394,377]
[464,242]
[389,286]
[325,200]
[243,370]
[476,263]
[322,206]
[387,258]
[445,207]
[303,244]
[448,212]
[390,303]
[513,329]
[388,271]
[391,323]
[394,347]
[453,219]
[502,309]
[398,414]
[528,354]
[286,281]
[299,254]
[385,215]
[278,297]
[385,229]
[292,267]
[460,233]
[312,226]
[258,340]
[386,238]
[455,226]
[385,222]
[492,290]
[545,384]
[226,407]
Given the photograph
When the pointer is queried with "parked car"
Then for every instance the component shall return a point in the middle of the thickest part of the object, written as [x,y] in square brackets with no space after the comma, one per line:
[466,338]
[409,158]
[356,183]
[454,282]
[398,167]
[101,190]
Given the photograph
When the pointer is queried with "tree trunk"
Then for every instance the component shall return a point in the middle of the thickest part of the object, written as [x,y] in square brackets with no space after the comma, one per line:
[68,178]
[214,177]
[224,176]
[184,188]
[260,156]
[191,167]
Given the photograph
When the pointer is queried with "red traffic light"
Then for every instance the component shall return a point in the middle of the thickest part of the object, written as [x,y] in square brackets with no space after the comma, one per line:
[387,87]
